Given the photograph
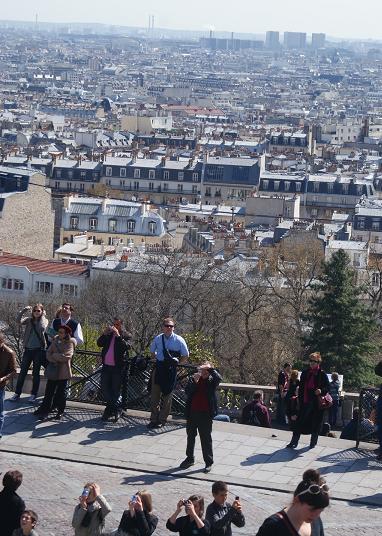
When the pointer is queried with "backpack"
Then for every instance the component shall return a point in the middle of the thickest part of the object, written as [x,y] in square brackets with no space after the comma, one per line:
[253,418]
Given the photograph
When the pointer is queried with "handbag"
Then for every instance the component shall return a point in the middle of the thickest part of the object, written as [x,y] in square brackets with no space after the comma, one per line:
[325,402]
[51,371]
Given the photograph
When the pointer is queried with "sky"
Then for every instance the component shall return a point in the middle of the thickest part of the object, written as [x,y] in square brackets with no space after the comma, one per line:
[339,18]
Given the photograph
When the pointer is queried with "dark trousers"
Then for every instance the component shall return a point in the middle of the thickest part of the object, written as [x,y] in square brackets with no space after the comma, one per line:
[55,389]
[281,410]
[200,421]
[333,411]
[35,356]
[111,379]
[313,438]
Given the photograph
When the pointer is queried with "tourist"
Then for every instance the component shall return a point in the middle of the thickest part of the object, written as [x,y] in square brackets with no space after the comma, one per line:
[138,520]
[256,412]
[168,349]
[58,371]
[201,408]
[314,384]
[11,505]
[334,390]
[89,515]
[7,371]
[366,427]
[34,341]
[282,389]
[115,342]
[291,399]
[302,516]
[28,522]
[192,523]
[220,514]
[64,318]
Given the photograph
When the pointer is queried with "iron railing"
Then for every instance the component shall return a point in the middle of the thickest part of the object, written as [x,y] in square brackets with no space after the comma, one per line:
[366,431]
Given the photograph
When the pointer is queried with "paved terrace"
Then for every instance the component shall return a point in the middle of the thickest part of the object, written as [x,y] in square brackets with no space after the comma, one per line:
[252,460]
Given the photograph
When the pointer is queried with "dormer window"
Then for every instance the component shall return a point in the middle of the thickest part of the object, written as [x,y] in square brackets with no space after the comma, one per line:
[131,226]
[112,226]
[152,227]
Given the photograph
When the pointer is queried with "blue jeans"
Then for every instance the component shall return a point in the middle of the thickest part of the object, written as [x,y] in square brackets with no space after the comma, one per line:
[2,395]
[35,356]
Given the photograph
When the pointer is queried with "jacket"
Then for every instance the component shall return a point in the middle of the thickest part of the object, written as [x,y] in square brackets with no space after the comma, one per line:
[61,352]
[98,511]
[142,524]
[24,318]
[7,364]
[261,413]
[276,526]
[19,532]
[11,508]
[186,527]
[213,382]
[121,346]
[321,382]
[220,517]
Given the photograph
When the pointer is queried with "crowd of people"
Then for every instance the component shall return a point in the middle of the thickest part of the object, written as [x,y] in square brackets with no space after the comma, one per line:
[190,518]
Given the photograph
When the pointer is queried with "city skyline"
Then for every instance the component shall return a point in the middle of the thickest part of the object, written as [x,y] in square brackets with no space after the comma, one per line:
[334,19]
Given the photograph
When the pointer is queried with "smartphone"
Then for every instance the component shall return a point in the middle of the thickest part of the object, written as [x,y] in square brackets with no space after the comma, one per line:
[237,498]
[85,492]
[134,498]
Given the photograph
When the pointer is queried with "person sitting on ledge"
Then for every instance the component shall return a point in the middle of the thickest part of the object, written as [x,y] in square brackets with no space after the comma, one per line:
[256,412]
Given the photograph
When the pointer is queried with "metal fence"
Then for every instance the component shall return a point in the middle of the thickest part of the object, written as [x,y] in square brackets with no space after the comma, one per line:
[85,385]
[367,404]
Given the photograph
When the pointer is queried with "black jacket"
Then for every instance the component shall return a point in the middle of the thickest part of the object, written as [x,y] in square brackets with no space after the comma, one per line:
[213,382]
[276,526]
[142,524]
[321,382]
[187,527]
[220,517]
[11,508]
[121,347]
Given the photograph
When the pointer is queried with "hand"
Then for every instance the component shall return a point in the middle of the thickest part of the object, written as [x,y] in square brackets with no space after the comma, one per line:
[138,505]
[190,508]
[115,331]
[236,505]
[96,490]
[83,502]
[3,379]
[180,504]
[196,377]
[317,392]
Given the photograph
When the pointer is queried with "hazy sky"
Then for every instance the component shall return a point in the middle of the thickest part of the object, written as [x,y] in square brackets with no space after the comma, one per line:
[342,18]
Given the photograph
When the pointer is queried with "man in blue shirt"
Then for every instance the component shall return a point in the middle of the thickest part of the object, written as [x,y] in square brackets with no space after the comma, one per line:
[168,349]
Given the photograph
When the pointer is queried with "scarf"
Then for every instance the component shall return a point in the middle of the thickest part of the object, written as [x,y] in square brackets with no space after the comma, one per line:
[310,383]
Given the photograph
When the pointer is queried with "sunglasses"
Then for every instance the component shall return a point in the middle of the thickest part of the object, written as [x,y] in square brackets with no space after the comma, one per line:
[315,489]
[313,361]
[168,325]
[37,311]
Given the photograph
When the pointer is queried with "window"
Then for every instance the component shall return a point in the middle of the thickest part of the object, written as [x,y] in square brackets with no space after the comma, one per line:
[194,189]
[57,185]
[345,189]
[359,190]
[165,186]
[131,226]
[108,182]
[375,225]
[112,226]
[265,185]
[83,174]
[136,185]
[314,211]
[109,171]
[180,187]
[276,185]
[93,222]
[152,227]
[122,184]
[357,260]
[122,172]
[375,277]
[208,191]
[69,186]
[195,177]
[166,175]
[82,187]
[361,223]
[330,187]
[70,174]
[18,284]
[151,173]
[316,187]
[215,173]
[286,186]
[58,173]
[180,176]
[151,186]
[74,222]
[137,173]
[44,287]
[69,290]
[6,283]
[298,186]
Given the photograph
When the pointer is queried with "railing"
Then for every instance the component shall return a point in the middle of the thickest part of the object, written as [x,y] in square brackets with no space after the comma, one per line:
[366,430]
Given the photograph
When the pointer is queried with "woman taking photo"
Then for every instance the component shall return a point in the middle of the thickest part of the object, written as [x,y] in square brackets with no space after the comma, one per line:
[138,520]
[302,516]
[58,372]
[89,515]
[313,388]
[34,341]
[192,523]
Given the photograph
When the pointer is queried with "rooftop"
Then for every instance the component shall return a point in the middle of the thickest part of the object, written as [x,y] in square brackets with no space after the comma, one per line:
[39,266]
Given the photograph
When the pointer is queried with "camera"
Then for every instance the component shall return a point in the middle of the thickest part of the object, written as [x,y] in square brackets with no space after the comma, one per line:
[85,492]
[134,498]
[184,502]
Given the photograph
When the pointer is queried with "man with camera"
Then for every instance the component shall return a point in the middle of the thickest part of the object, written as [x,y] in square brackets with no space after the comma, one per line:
[201,408]
[115,343]
[168,349]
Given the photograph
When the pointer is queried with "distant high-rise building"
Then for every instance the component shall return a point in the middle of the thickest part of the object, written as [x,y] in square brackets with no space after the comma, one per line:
[318,40]
[295,40]
[272,40]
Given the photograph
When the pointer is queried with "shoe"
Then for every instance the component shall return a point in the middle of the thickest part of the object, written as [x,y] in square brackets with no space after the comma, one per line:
[291,446]
[116,416]
[58,416]
[187,463]
[32,399]
[207,468]
[159,425]
[40,414]
[312,447]
[15,398]
[106,414]
[152,424]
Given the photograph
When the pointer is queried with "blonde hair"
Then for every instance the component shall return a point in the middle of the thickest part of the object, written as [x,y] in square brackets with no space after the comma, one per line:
[294,375]
[146,500]
[316,355]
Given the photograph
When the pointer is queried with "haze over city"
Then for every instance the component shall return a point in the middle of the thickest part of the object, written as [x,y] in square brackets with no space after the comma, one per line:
[341,18]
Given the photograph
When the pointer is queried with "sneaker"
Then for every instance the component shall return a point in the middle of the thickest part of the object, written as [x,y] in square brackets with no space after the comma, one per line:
[187,463]
[15,398]
[32,399]
[207,468]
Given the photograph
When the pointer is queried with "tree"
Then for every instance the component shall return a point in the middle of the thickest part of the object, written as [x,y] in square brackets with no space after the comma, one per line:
[341,327]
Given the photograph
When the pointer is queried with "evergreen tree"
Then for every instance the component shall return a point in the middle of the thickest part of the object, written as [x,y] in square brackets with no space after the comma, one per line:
[341,327]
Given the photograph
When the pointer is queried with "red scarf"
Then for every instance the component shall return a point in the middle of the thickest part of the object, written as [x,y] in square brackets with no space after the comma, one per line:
[310,383]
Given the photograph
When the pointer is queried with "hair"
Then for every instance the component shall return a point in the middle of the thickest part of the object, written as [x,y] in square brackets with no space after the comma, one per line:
[200,500]
[12,480]
[316,355]
[147,500]
[335,376]
[118,319]
[40,306]
[67,329]
[286,365]
[70,305]
[218,487]
[258,395]
[33,516]
[168,319]
[294,375]
[316,500]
